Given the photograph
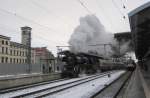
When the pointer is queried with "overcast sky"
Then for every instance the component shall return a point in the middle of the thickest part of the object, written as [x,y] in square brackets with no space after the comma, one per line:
[53,21]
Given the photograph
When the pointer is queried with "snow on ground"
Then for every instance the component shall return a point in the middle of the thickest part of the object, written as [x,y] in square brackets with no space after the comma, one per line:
[20,92]
[86,90]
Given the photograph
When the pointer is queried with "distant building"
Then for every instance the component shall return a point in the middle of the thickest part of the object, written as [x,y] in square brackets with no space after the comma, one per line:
[12,52]
[125,36]
[26,40]
[22,53]
[18,53]
[26,36]
[4,49]
[45,58]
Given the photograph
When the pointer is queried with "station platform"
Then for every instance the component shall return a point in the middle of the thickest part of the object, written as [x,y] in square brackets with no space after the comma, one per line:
[135,88]
[145,79]
[139,86]
[10,81]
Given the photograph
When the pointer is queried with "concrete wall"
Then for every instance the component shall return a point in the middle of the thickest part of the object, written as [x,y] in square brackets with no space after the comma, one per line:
[14,82]
[11,69]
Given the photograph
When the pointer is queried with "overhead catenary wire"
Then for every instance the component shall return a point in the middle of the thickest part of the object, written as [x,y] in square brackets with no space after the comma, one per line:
[108,18]
[87,9]
[53,48]
[26,19]
[117,7]
[84,6]
[15,31]
[42,7]
[45,9]
[124,5]
[31,21]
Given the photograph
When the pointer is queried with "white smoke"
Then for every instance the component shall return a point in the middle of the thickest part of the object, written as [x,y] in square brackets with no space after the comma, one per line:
[91,32]
[120,48]
[124,47]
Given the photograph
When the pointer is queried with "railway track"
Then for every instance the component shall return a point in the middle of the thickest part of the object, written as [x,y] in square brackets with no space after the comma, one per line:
[115,89]
[51,88]
[2,91]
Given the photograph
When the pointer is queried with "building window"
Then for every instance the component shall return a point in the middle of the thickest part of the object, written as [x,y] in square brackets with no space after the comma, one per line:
[14,52]
[2,60]
[10,60]
[2,50]
[17,53]
[24,32]
[57,68]
[14,60]
[2,42]
[10,52]
[23,53]
[6,60]
[6,50]
[6,42]
[17,60]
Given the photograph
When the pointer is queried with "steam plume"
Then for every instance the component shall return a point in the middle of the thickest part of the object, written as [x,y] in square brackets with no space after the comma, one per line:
[91,32]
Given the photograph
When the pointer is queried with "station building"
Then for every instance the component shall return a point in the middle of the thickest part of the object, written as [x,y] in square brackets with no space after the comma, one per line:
[4,49]
[13,52]
[17,53]
[45,58]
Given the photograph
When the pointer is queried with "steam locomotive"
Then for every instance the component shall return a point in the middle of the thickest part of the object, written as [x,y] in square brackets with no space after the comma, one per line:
[87,63]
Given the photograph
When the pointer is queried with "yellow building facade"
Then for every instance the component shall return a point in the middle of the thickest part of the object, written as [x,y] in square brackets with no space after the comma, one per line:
[4,49]
[14,53]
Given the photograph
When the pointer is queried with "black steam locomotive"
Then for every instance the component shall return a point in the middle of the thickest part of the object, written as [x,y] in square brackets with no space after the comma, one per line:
[78,63]
[87,63]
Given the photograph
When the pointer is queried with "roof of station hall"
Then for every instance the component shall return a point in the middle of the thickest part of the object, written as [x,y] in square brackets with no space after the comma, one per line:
[138,9]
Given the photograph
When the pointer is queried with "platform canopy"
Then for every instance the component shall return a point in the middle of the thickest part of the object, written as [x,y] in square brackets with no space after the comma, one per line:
[140,27]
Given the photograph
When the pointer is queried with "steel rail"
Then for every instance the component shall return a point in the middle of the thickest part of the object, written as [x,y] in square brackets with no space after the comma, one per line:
[29,85]
[81,81]
[69,86]
[120,86]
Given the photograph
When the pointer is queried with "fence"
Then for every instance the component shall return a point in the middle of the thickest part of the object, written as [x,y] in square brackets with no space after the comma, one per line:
[11,69]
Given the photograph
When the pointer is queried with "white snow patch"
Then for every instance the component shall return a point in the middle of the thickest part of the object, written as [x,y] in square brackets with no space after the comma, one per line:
[86,90]
[24,91]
